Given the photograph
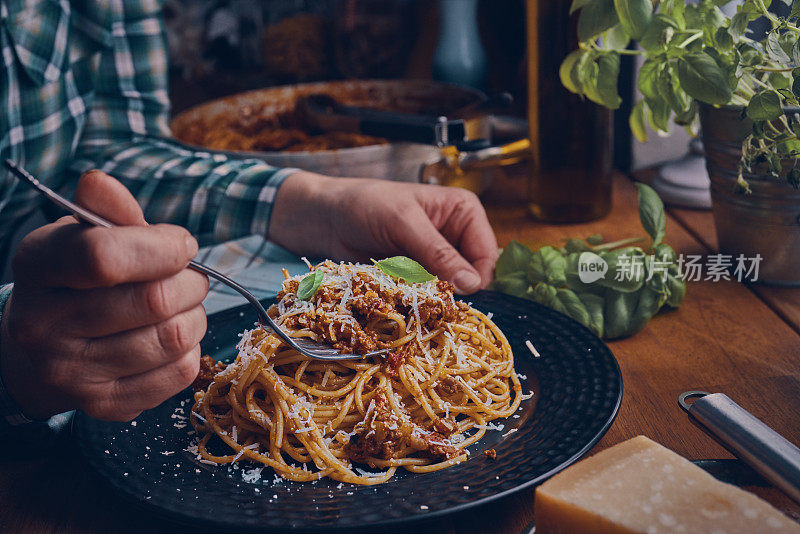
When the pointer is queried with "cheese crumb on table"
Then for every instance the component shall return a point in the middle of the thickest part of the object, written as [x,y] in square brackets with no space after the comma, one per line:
[639,486]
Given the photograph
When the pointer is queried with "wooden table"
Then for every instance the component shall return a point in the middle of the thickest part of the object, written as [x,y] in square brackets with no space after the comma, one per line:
[727,337]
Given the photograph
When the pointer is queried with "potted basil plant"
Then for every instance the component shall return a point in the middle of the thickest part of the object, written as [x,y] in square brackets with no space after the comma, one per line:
[702,67]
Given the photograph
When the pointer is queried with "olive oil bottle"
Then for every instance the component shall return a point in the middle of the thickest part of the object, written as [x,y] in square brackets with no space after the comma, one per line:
[572,142]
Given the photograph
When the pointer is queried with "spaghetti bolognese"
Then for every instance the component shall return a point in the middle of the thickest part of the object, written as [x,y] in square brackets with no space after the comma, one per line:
[448,373]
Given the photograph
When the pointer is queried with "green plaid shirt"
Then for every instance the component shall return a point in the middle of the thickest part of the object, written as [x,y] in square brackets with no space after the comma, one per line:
[84,85]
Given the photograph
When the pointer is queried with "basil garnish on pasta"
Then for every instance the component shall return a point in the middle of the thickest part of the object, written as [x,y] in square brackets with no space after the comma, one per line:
[309,285]
[404,268]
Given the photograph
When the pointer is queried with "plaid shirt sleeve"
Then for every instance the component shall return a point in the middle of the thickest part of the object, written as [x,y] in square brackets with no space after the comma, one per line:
[10,413]
[215,197]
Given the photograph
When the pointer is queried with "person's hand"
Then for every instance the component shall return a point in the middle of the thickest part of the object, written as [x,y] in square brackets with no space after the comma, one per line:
[106,320]
[443,228]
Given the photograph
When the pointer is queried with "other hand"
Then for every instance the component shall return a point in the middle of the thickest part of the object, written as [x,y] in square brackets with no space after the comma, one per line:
[443,228]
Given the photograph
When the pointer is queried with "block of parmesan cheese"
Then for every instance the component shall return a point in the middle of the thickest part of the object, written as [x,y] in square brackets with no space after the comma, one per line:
[640,486]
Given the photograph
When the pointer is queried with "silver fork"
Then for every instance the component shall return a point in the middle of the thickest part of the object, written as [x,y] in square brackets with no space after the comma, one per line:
[312,349]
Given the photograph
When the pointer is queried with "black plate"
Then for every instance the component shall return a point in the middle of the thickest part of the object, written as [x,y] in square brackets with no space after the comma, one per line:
[577,385]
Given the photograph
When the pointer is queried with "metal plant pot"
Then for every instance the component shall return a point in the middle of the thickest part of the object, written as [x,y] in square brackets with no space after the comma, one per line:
[764,222]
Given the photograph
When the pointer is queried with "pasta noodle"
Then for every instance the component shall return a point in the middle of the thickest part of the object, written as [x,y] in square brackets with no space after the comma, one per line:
[450,373]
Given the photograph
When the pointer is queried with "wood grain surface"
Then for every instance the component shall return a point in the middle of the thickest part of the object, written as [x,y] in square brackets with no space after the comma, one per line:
[727,337]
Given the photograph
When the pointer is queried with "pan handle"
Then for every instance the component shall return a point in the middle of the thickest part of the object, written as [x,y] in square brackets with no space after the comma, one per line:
[496,155]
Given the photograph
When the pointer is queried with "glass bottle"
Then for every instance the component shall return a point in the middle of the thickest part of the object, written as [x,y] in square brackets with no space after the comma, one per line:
[571,138]
[459,56]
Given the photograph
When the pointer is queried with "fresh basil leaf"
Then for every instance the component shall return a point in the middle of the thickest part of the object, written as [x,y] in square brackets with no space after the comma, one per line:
[739,24]
[605,90]
[648,78]
[616,38]
[723,39]
[657,280]
[545,294]
[573,307]
[659,114]
[596,17]
[512,285]
[795,13]
[595,239]
[637,121]
[674,9]
[309,285]
[688,118]
[788,96]
[727,62]
[774,50]
[619,309]
[404,268]
[664,252]
[658,34]
[561,300]
[588,73]
[670,91]
[627,313]
[677,290]
[573,276]
[712,18]
[650,301]
[547,265]
[751,6]
[594,306]
[693,16]
[651,213]
[572,273]
[634,15]
[513,260]
[779,80]
[703,79]
[576,245]
[765,106]
[576,73]
[787,40]
[625,269]
[566,72]
[607,86]
[749,54]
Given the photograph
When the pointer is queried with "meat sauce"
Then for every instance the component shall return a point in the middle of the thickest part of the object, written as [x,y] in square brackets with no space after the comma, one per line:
[208,370]
[382,434]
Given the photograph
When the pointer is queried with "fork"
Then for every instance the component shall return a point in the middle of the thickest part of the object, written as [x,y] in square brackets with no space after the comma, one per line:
[310,348]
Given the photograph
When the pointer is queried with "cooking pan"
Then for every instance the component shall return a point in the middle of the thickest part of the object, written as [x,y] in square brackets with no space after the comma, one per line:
[398,161]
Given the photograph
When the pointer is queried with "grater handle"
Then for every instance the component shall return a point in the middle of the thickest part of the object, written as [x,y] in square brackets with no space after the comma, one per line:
[748,438]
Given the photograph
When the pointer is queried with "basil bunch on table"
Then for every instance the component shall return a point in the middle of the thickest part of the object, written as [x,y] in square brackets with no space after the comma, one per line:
[628,286]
